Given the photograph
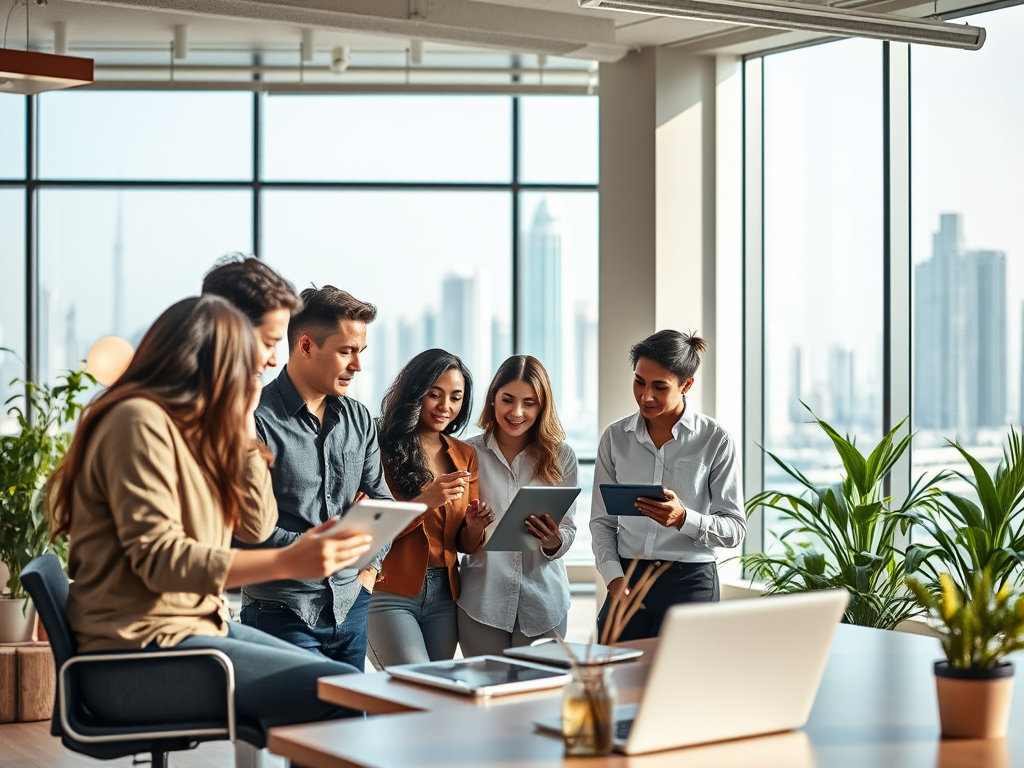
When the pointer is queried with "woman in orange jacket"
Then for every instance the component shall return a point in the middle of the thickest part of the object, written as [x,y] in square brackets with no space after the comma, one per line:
[413,616]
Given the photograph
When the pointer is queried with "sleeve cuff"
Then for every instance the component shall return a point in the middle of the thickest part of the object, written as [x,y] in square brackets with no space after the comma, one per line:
[218,565]
[610,571]
[693,524]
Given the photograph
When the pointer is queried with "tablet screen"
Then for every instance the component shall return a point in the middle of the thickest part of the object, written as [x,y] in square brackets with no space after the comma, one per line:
[484,672]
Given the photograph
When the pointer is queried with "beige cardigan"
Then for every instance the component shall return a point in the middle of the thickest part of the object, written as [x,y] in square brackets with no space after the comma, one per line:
[149,548]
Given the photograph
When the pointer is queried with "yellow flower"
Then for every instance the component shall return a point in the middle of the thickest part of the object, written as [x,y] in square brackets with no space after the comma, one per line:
[950,601]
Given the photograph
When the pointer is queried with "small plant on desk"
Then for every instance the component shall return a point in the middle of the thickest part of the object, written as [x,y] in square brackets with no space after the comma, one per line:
[588,703]
[978,629]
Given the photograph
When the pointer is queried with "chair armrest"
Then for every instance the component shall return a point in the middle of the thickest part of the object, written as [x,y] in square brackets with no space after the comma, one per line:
[141,694]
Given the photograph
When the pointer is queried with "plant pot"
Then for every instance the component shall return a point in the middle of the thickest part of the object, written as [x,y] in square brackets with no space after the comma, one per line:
[974,703]
[588,711]
[17,621]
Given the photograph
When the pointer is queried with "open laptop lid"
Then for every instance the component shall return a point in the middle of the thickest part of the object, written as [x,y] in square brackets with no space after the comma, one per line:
[736,668]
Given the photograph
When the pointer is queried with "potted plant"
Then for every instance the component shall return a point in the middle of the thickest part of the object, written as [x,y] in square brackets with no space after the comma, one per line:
[978,628]
[969,536]
[843,534]
[27,459]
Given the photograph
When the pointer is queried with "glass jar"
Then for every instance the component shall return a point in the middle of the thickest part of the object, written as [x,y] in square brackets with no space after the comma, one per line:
[588,711]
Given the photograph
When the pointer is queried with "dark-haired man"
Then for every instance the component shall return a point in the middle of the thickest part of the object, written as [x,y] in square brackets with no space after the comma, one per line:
[259,293]
[326,450]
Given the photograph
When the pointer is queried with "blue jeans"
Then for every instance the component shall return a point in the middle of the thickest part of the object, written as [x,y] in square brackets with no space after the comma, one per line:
[414,630]
[275,682]
[345,642]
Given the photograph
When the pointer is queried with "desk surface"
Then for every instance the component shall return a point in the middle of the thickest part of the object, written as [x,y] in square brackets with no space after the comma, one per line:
[876,707]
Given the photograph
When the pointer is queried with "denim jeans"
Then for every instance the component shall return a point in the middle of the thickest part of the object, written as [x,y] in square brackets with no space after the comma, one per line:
[414,630]
[275,682]
[345,642]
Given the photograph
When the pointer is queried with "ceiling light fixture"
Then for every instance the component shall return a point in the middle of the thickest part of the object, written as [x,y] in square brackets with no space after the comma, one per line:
[812,18]
[28,72]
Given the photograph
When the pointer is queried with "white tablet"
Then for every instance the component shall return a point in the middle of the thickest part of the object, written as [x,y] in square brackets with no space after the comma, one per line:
[587,654]
[510,534]
[381,519]
[482,675]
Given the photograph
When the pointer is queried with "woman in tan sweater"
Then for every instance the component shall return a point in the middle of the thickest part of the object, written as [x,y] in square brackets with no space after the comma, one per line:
[412,614]
[163,468]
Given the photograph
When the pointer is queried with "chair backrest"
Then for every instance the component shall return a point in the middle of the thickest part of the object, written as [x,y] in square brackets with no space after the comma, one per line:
[47,585]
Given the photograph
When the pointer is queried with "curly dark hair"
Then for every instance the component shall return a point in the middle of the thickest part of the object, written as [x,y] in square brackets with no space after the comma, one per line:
[403,456]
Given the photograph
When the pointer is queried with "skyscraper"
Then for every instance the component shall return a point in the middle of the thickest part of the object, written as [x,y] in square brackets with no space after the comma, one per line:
[541,322]
[465,326]
[959,334]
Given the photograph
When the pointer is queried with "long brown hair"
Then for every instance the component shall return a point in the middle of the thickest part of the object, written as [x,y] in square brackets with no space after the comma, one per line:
[546,435]
[198,363]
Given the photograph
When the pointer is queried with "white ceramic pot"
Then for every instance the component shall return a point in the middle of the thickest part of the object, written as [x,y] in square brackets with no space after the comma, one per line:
[16,626]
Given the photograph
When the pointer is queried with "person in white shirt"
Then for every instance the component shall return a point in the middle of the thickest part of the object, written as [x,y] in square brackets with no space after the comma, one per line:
[512,598]
[695,461]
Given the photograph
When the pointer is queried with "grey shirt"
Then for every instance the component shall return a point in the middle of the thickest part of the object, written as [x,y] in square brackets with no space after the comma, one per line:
[317,472]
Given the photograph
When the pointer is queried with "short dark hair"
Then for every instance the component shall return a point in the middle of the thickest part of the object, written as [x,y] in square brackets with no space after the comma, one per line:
[674,351]
[251,286]
[323,310]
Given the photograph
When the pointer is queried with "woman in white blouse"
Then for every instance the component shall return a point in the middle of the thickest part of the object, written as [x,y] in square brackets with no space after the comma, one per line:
[513,598]
[696,463]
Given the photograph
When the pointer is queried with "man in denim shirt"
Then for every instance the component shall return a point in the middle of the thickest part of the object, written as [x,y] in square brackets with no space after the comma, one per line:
[326,452]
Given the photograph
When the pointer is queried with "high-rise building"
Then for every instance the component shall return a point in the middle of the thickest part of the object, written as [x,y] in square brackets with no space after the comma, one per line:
[841,387]
[541,323]
[118,327]
[465,327]
[960,374]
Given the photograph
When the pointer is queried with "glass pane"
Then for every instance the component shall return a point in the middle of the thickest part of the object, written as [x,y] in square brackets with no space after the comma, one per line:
[112,261]
[388,138]
[139,135]
[968,247]
[558,137]
[582,550]
[12,297]
[558,304]
[823,250]
[437,265]
[12,137]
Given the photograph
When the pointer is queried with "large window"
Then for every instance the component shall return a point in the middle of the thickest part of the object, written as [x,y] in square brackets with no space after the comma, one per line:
[823,250]
[414,203]
[872,307]
[968,245]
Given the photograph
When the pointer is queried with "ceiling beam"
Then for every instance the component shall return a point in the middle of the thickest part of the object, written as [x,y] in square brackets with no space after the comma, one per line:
[462,22]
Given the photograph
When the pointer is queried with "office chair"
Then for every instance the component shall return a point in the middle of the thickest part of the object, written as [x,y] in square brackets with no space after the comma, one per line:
[110,705]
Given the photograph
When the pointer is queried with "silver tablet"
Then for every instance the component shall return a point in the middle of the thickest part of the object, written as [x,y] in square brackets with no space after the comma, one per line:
[379,518]
[482,675]
[509,533]
[586,654]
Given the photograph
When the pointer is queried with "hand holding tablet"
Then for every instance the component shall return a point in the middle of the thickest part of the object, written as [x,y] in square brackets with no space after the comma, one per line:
[542,503]
[620,498]
[380,519]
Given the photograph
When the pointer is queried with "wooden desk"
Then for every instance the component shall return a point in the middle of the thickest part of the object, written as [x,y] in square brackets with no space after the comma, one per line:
[876,708]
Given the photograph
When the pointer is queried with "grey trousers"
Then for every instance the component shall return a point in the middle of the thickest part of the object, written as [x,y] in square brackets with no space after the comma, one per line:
[275,682]
[413,630]
[478,639]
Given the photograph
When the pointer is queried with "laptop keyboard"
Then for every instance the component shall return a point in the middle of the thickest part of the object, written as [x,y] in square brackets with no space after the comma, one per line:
[622,729]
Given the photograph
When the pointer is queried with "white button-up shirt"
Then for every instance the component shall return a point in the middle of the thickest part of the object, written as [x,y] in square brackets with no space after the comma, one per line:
[498,587]
[699,463]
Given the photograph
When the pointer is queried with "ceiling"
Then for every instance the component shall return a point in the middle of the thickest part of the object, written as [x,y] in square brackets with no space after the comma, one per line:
[458,30]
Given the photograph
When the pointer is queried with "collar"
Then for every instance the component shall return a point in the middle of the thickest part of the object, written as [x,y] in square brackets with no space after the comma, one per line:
[492,444]
[688,420]
[293,401]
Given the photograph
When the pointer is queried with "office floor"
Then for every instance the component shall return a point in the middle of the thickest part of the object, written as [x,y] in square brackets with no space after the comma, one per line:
[29,745]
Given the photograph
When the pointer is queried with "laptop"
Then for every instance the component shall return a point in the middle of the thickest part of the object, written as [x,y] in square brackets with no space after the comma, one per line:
[729,670]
